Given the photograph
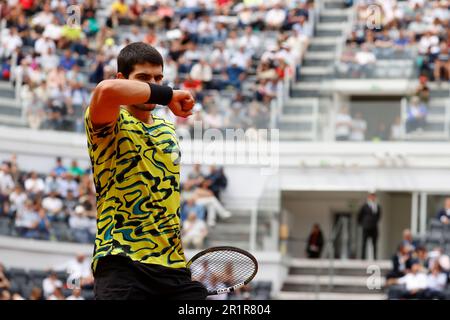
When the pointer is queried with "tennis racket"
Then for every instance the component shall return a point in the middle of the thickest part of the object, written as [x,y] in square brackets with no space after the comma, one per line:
[223,269]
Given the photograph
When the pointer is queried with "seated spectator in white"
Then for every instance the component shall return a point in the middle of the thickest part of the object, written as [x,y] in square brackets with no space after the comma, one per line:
[365,59]
[275,17]
[76,295]
[191,206]
[52,183]
[43,18]
[57,294]
[53,206]
[45,46]
[50,283]
[242,57]
[34,184]
[416,116]
[359,128]
[415,282]
[78,270]
[194,231]
[436,283]
[26,218]
[343,125]
[66,183]
[444,214]
[250,41]
[53,30]
[6,179]
[80,224]
[10,42]
[204,196]
[202,71]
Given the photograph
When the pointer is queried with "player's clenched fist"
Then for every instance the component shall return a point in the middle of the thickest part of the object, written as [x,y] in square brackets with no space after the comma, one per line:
[182,103]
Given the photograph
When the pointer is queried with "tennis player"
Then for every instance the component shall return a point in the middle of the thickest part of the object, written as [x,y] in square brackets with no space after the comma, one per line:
[135,162]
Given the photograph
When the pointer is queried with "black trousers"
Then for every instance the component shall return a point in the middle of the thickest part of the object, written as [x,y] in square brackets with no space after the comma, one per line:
[371,234]
[120,278]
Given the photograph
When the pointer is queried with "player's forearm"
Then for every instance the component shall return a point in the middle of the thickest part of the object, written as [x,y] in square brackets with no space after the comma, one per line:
[118,92]
[109,95]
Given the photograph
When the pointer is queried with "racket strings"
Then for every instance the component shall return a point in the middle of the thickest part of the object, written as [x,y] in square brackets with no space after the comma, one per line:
[222,269]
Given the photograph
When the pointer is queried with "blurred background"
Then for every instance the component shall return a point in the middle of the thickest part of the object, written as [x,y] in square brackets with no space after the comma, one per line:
[351,98]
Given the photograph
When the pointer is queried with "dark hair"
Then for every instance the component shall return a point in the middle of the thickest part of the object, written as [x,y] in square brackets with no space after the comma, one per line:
[137,53]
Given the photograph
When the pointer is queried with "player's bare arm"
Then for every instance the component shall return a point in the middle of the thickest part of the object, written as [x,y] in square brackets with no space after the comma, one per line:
[109,95]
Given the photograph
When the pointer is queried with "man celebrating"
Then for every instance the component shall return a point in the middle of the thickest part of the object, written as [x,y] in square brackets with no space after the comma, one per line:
[135,162]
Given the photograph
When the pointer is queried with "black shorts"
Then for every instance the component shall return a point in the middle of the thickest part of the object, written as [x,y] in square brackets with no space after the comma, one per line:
[120,278]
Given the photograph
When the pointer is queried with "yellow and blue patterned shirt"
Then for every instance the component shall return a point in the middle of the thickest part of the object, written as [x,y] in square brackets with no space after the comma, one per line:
[136,174]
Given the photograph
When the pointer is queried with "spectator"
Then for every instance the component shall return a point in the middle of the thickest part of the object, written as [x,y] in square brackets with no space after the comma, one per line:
[59,168]
[79,271]
[50,283]
[436,283]
[80,224]
[359,127]
[190,206]
[444,214]
[218,180]
[365,59]
[368,217]
[408,241]
[396,130]
[415,282]
[4,282]
[204,196]
[36,294]
[5,295]
[17,200]
[343,124]
[276,17]
[57,294]
[53,206]
[76,295]
[194,231]
[40,229]
[416,117]
[315,243]
[400,262]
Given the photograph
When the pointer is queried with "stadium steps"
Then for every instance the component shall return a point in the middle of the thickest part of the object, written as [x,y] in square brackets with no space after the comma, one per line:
[334,4]
[10,107]
[299,120]
[12,121]
[310,279]
[235,231]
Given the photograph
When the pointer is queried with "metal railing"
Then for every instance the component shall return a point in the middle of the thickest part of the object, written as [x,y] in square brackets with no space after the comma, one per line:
[269,204]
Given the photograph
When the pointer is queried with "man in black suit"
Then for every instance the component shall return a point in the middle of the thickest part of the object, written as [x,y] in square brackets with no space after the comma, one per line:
[368,217]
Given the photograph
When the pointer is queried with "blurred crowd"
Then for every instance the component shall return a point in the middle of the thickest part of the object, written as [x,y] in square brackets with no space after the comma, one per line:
[71,280]
[419,272]
[46,206]
[231,54]
[403,29]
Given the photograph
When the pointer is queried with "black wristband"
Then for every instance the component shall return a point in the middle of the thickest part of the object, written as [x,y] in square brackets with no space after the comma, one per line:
[161,95]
